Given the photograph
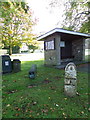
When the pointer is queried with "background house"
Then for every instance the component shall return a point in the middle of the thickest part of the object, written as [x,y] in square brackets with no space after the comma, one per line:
[63,46]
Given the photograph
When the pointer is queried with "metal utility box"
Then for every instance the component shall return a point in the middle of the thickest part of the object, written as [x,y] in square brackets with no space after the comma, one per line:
[6,64]
[16,65]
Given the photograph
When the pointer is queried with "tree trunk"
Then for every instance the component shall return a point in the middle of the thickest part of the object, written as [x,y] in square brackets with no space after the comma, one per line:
[10,50]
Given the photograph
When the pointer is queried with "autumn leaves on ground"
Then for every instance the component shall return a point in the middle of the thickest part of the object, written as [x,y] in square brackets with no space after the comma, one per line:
[42,97]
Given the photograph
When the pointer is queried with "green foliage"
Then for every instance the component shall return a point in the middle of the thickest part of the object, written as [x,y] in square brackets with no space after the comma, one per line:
[32,47]
[15,49]
[73,4]
[1,45]
[16,20]
[87,57]
[85,27]
[77,15]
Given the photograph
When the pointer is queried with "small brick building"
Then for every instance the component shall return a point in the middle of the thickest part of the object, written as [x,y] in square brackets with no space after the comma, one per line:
[61,45]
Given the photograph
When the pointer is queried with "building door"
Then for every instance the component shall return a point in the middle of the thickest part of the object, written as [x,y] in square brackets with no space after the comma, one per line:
[66,51]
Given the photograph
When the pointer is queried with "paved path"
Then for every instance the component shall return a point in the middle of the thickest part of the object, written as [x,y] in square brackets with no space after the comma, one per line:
[28,56]
[84,68]
[38,56]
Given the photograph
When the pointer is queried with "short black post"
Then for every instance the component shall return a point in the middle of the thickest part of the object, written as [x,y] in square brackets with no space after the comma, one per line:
[32,71]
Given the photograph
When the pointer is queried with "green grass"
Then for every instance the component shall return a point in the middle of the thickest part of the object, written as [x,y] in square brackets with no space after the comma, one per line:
[87,58]
[44,100]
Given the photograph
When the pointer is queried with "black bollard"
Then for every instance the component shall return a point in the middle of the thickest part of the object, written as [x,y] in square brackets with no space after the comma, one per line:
[32,71]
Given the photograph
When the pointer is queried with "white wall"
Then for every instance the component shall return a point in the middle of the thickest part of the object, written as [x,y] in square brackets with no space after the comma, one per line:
[3,51]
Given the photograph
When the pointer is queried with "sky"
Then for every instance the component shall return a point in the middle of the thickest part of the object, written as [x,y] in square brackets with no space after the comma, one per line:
[47,17]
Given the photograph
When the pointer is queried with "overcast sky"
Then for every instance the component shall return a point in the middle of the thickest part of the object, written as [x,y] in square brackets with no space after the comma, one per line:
[47,17]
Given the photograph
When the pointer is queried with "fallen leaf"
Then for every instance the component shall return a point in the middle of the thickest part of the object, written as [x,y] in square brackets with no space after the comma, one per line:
[64,114]
[57,105]
[16,108]
[61,108]
[46,81]
[16,114]
[34,103]
[30,115]
[77,94]
[26,111]
[31,111]
[8,105]
[19,109]
[82,112]
[14,80]
[52,88]
[45,110]
[37,114]
[65,98]
[88,109]
[50,108]
[49,98]
[45,105]
[30,86]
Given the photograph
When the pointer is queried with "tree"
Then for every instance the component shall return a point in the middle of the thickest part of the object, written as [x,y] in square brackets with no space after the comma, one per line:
[1,45]
[16,24]
[77,15]
[33,46]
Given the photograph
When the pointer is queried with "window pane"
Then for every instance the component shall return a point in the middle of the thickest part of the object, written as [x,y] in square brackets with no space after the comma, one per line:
[49,45]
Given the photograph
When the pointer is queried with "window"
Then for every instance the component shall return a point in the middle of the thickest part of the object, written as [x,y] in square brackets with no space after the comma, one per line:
[62,44]
[50,45]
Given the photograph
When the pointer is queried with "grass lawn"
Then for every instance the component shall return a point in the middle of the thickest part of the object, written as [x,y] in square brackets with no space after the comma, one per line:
[42,97]
[87,58]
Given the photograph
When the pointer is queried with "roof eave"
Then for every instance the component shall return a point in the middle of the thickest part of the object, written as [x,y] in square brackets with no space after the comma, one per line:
[42,37]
